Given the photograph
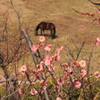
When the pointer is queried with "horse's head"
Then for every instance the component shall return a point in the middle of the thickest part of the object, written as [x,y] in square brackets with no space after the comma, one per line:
[35,32]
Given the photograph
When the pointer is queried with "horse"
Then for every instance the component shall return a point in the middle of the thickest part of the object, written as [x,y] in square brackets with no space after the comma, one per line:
[46,26]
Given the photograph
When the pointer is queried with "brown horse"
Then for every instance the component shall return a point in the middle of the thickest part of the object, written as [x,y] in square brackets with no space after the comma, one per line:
[46,26]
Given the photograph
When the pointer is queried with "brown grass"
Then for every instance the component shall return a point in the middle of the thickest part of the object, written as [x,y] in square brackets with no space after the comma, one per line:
[70,25]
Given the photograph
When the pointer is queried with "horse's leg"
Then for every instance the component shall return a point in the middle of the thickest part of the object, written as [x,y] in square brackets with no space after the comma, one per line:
[50,33]
[53,34]
[43,32]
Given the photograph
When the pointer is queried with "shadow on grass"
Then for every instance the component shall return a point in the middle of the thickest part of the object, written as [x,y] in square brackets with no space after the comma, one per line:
[47,35]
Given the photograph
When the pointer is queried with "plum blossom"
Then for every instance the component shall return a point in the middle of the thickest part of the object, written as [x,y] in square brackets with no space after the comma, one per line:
[57,57]
[51,68]
[34,91]
[77,83]
[58,50]
[82,63]
[23,69]
[97,42]
[64,65]
[85,79]
[60,81]
[68,84]
[97,74]
[37,75]
[42,38]
[42,82]
[48,47]
[48,61]
[75,63]
[58,98]
[20,91]
[83,72]
[41,44]
[44,86]
[69,71]
[34,48]
[39,67]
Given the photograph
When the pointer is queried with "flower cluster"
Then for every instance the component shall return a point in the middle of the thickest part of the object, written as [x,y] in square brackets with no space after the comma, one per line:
[71,74]
[97,74]
[23,69]
[74,74]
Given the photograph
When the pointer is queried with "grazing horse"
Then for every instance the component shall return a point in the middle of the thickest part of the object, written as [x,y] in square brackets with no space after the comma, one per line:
[46,26]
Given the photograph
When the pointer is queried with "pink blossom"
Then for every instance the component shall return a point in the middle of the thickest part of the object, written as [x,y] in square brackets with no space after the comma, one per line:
[34,48]
[39,67]
[85,79]
[57,57]
[42,82]
[98,39]
[77,83]
[69,71]
[23,69]
[97,42]
[98,12]
[83,72]
[50,45]
[51,68]
[97,74]
[75,63]
[82,63]
[42,38]
[20,91]
[47,61]
[33,91]
[41,44]
[34,71]
[58,98]
[60,81]
[68,84]
[58,50]
[44,86]
[37,76]
[64,65]
[48,48]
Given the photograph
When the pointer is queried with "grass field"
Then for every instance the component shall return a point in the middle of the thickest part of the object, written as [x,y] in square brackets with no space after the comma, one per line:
[69,24]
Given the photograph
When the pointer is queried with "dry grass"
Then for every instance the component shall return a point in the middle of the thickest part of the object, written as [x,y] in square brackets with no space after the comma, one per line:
[70,25]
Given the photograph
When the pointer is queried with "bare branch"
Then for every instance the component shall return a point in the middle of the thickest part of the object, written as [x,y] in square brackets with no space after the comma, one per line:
[94,2]
[18,15]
